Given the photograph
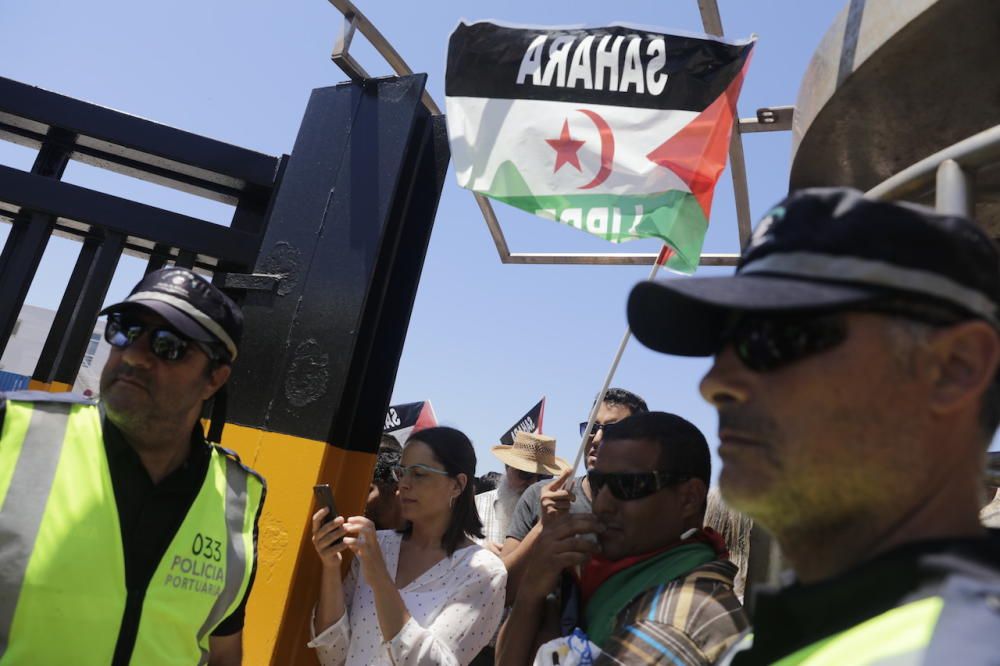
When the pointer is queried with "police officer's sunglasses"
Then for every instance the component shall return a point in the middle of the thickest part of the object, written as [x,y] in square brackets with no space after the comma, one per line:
[165,343]
[768,341]
[632,486]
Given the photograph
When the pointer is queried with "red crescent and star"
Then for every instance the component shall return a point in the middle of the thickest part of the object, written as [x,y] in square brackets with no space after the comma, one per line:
[567,149]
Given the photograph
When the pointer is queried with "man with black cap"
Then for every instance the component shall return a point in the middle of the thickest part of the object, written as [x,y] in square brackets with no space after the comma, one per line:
[125,538]
[856,352]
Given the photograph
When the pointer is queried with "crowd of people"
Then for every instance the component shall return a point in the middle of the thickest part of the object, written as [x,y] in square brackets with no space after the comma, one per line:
[855,357]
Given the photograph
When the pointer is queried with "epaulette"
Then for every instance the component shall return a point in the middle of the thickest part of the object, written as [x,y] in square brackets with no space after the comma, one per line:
[235,457]
[45,396]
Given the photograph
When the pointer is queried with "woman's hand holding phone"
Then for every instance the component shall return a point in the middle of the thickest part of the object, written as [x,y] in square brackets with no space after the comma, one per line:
[327,528]
[328,538]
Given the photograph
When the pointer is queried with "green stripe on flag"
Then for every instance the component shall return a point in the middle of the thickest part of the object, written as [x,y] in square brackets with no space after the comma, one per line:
[674,216]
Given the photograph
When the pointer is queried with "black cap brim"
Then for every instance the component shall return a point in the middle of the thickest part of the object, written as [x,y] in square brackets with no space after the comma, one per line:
[174,317]
[686,316]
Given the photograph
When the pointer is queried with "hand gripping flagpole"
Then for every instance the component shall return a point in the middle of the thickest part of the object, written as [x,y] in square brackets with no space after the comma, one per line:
[660,260]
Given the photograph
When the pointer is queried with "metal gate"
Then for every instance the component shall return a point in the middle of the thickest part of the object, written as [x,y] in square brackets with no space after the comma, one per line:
[324,252]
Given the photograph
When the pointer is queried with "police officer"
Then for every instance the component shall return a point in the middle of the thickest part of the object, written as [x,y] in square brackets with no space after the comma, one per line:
[856,353]
[125,538]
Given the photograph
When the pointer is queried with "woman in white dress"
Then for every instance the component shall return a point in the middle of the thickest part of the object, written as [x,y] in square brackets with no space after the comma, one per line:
[425,594]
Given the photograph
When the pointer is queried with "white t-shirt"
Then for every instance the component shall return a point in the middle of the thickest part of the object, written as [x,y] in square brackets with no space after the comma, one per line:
[455,608]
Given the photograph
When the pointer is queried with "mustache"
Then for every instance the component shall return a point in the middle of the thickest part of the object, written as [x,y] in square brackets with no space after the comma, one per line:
[129,373]
[748,422]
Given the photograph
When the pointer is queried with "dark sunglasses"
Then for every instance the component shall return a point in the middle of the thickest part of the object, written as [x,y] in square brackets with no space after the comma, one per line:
[632,486]
[165,343]
[596,428]
[768,341]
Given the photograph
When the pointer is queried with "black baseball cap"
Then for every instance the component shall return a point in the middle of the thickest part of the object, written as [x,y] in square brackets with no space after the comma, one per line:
[827,249]
[189,303]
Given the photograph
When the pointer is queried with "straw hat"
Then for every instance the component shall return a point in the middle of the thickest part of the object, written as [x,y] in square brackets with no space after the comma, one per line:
[531,453]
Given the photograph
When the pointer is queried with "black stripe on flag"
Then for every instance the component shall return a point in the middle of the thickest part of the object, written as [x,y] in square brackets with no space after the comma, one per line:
[617,66]
[530,422]
[402,416]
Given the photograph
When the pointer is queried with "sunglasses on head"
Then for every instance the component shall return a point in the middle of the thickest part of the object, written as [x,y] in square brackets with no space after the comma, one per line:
[768,341]
[634,485]
[164,342]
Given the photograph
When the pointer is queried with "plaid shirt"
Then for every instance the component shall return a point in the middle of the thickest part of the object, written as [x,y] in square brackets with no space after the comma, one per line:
[690,621]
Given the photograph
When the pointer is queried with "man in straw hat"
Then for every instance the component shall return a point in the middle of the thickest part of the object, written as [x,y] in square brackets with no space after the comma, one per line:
[529,459]
[855,376]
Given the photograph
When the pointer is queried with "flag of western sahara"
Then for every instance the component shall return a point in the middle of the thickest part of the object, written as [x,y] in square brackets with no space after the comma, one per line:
[530,422]
[401,421]
[618,131]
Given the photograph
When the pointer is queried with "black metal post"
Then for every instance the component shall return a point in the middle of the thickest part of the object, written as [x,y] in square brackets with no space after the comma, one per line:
[157,258]
[53,347]
[185,259]
[29,236]
[73,346]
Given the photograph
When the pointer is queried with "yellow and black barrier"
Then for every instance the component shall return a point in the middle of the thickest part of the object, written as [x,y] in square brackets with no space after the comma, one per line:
[339,231]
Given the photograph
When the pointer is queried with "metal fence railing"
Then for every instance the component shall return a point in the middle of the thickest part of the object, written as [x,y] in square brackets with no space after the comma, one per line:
[39,205]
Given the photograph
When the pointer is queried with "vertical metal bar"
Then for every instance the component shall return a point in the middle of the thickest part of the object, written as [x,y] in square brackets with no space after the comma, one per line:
[738,168]
[10,245]
[29,236]
[51,350]
[185,259]
[954,190]
[710,17]
[494,226]
[712,22]
[95,289]
[157,258]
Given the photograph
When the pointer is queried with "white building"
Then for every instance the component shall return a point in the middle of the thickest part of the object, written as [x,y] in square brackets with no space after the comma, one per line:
[25,346]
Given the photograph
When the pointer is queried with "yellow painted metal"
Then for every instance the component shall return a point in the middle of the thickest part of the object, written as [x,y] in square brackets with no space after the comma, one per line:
[276,630]
[54,387]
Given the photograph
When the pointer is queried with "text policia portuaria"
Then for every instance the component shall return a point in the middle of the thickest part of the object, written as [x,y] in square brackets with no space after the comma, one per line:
[188,573]
[564,62]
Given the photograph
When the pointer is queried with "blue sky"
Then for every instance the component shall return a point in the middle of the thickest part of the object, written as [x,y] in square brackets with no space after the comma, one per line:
[485,340]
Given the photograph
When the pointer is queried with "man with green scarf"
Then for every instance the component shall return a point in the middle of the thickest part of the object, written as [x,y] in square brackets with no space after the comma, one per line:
[656,586]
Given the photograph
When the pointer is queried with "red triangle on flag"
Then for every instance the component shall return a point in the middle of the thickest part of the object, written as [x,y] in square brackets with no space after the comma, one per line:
[698,152]
[665,253]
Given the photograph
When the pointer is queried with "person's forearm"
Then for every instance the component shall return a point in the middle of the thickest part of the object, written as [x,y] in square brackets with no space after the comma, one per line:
[330,607]
[516,562]
[389,607]
[518,634]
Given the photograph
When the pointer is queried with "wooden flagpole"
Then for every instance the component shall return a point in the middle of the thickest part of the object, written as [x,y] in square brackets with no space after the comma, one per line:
[660,260]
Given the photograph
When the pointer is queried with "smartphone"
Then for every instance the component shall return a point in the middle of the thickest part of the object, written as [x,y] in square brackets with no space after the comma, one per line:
[324,497]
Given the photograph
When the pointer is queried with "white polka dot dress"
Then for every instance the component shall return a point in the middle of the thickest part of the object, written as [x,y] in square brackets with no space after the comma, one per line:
[455,608]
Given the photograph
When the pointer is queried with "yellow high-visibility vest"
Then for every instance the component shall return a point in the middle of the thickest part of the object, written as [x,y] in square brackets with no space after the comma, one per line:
[62,566]
[898,636]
